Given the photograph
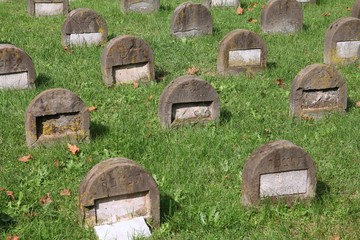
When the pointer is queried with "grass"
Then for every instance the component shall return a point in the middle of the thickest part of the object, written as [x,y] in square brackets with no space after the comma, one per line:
[198,169]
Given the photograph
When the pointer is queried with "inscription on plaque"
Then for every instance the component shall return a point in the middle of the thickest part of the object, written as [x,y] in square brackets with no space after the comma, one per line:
[131,73]
[85,38]
[14,80]
[48,9]
[191,111]
[324,98]
[348,49]
[248,57]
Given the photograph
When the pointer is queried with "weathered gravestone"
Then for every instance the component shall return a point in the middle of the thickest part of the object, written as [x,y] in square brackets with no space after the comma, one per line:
[190,20]
[83,27]
[16,68]
[56,114]
[127,59]
[282,16]
[188,99]
[316,90]
[221,3]
[241,51]
[142,6]
[356,9]
[342,41]
[47,7]
[278,170]
[117,192]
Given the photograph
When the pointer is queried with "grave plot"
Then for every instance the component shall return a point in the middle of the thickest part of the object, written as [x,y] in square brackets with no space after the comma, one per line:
[356,9]
[188,99]
[16,68]
[282,16]
[278,170]
[56,114]
[191,20]
[142,6]
[222,3]
[342,41]
[127,59]
[241,51]
[116,197]
[39,8]
[317,90]
[83,27]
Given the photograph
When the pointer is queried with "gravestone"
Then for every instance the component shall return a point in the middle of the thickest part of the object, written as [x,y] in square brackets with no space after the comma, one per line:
[188,99]
[191,20]
[221,3]
[127,59]
[342,41]
[356,9]
[116,193]
[278,170]
[282,16]
[47,7]
[83,27]
[54,115]
[316,90]
[241,51]
[16,68]
[142,6]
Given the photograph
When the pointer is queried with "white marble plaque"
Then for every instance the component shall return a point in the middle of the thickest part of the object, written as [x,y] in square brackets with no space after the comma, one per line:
[85,39]
[303,1]
[131,73]
[140,6]
[224,3]
[283,183]
[191,111]
[48,9]
[348,49]
[124,230]
[14,80]
[238,58]
[114,209]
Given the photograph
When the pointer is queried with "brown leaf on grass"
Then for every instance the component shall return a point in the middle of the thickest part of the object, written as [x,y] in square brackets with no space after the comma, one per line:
[325,14]
[280,83]
[239,10]
[357,104]
[10,194]
[349,9]
[13,237]
[135,85]
[25,158]
[252,20]
[254,4]
[45,199]
[228,177]
[262,6]
[65,192]
[73,148]
[67,49]
[151,97]
[250,9]
[306,117]
[56,163]
[336,238]
[2,189]
[30,214]
[92,108]
[192,71]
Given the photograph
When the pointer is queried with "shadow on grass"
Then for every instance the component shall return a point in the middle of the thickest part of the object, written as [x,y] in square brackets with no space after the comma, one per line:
[350,105]
[271,65]
[168,206]
[321,190]
[97,130]
[164,8]
[6,221]
[160,74]
[111,36]
[42,80]
[225,115]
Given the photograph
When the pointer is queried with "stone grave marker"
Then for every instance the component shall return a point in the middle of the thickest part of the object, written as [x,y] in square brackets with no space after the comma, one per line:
[241,51]
[191,20]
[282,16]
[221,3]
[83,26]
[47,7]
[356,9]
[342,41]
[188,99]
[16,68]
[278,170]
[117,196]
[316,90]
[142,6]
[56,114]
[127,59]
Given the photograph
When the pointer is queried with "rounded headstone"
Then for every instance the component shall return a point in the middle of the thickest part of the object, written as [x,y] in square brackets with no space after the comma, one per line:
[241,51]
[188,99]
[118,189]
[342,41]
[83,26]
[56,114]
[143,6]
[279,170]
[282,16]
[316,90]
[221,3]
[127,59]
[356,9]
[16,68]
[190,20]
[47,7]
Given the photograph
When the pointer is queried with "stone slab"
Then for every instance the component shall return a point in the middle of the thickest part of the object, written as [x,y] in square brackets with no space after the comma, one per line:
[131,73]
[348,49]
[356,9]
[185,111]
[85,39]
[142,6]
[239,58]
[48,9]
[14,81]
[222,3]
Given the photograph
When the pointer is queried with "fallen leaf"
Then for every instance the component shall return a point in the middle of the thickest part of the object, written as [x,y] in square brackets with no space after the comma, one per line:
[336,238]
[67,49]
[10,194]
[280,83]
[73,148]
[192,70]
[254,4]
[45,199]
[135,84]
[357,104]
[65,192]
[262,6]
[13,237]
[306,117]
[56,163]
[349,9]
[250,9]
[30,214]
[325,14]
[151,97]
[2,189]
[252,20]
[25,158]
[92,108]
[228,177]
[239,10]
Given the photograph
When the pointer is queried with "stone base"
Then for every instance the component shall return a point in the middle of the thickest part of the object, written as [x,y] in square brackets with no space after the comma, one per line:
[14,81]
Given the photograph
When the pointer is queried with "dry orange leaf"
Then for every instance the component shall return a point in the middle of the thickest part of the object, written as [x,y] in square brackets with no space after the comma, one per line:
[10,194]
[349,9]
[280,83]
[92,108]
[13,237]
[252,20]
[73,148]
[192,70]
[25,158]
[254,4]
[68,50]
[56,163]
[45,199]
[239,10]
[151,97]
[135,84]
[357,104]
[325,14]
[65,192]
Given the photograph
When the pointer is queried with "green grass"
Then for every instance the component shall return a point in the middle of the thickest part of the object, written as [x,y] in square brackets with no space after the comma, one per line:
[198,169]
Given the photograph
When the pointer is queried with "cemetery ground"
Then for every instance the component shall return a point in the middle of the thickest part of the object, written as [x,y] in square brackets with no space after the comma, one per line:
[197,168]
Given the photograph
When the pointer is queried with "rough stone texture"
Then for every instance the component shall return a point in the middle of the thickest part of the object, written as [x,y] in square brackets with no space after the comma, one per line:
[282,16]
[14,62]
[31,7]
[119,178]
[275,158]
[221,3]
[83,21]
[342,30]
[356,9]
[123,61]
[142,6]
[316,90]
[240,40]
[191,20]
[188,99]
[55,115]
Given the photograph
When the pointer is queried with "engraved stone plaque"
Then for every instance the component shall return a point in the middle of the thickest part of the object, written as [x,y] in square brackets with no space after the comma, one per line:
[239,58]
[349,49]
[222,3]
[40,8]
[142,6]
